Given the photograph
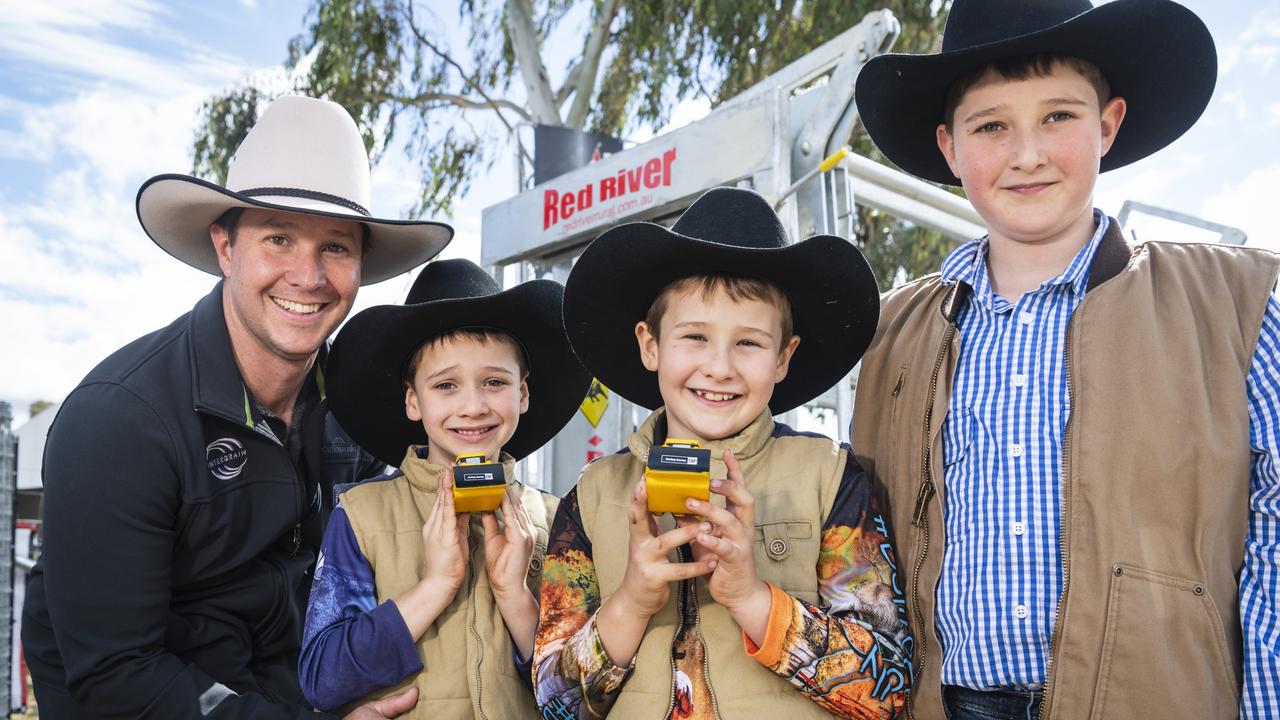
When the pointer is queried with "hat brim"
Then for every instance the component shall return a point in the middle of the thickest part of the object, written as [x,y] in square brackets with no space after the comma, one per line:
[176,210]
[835,304]
[367,362]
[1156,54]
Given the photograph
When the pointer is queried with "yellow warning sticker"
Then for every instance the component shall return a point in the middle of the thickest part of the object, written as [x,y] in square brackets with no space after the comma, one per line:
[595,403]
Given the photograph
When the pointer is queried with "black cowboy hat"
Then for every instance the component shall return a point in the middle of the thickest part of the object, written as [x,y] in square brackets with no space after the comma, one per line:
[835,304]
[366,365]
[1154,53]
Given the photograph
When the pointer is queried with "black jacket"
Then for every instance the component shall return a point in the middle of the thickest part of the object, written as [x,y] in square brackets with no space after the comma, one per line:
[179,534]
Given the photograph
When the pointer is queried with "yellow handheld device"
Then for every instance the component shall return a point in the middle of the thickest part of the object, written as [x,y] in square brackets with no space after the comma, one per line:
[477,485]
[678,470]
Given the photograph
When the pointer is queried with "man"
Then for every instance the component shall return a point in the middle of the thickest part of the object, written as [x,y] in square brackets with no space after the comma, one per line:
[188,478]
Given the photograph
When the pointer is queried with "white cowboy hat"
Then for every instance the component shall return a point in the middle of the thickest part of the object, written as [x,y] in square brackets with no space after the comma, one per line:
[304,155]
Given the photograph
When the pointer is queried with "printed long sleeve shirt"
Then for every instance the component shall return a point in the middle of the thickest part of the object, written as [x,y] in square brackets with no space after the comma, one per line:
[351,645]
[1002,441]
[860,615]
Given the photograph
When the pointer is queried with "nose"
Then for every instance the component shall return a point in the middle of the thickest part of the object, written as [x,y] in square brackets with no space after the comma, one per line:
[306,269]
[1026,153]
[718,363]
[474,404]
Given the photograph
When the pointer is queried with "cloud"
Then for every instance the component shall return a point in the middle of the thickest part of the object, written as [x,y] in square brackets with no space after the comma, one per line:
[1273,114]
[1250,206]
[1257,46]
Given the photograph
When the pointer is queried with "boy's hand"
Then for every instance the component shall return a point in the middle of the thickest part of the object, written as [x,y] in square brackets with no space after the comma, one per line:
[646,584]
[444,540]
[734,582]
[507,551]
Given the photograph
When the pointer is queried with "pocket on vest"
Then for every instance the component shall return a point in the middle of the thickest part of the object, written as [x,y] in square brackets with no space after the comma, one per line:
[1164,652]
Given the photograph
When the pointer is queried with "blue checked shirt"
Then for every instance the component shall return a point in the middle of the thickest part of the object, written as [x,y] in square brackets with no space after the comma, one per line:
[1001,448]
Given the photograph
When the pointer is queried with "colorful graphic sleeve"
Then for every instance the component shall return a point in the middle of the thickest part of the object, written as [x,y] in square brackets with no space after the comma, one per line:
[573,676]
[351,646]
[852,655]
[1260,576]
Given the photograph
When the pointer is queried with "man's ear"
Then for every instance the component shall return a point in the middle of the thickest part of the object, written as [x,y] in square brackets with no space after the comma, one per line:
[222,247]
[648,346]
[947,146]
[1111,116]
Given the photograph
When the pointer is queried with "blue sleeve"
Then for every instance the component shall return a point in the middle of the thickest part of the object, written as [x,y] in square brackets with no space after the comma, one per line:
[1260,576]
[351,646]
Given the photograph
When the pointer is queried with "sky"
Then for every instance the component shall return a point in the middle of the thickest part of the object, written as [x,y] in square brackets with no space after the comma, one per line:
[98,95]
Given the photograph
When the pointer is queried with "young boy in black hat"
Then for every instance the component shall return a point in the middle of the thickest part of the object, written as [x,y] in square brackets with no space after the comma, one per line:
[781,599]
[408,591]
[1078,437]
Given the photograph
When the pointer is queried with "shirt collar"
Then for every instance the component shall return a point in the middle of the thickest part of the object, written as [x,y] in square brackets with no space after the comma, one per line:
[968,264]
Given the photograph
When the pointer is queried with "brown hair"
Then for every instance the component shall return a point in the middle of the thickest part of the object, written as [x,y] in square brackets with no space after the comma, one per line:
[738,288]
[230,221]
[1021,67]
[481,335]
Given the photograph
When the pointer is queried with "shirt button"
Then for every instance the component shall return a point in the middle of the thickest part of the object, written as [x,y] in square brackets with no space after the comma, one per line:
[1019,528]
[1026,318]
[1021,612]
[1019,379]
[1015,450]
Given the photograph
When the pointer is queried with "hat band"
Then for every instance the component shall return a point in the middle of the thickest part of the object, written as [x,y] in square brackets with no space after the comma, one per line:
[307,195]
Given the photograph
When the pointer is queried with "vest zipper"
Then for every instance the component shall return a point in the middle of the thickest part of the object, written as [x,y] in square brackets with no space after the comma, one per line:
[920,517]
[697,616]
[471,623]
[1062,522]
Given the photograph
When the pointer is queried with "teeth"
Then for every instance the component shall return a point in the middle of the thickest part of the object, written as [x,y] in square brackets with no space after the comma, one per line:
[466,433]
[299,308]
[715,397]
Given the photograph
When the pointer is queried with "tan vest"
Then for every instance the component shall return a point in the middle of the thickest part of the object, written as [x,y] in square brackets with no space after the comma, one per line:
[794,480]
[468,670]
[1155,476]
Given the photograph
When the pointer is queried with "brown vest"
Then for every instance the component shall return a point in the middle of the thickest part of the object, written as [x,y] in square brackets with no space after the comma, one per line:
[1155,480]
[468,668]
[794,480]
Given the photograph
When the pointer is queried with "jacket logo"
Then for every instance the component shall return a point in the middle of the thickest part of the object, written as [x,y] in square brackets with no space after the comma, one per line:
[226,458]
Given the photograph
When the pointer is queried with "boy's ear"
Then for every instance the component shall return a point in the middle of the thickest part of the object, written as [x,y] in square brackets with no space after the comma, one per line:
[784,358]
[648,346]
[524,396]
[1111,116]
[947,146]
[411,410]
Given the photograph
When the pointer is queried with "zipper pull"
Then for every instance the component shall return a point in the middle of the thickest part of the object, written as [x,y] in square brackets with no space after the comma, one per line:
[297,540]
[922,503]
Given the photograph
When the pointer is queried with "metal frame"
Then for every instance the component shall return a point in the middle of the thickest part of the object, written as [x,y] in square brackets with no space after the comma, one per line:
[788,126]
[1228,235]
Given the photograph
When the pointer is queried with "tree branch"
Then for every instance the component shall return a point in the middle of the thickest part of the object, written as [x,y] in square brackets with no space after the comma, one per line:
[524,40]
[495,105]
[457,100]
[586,83]
[570,80]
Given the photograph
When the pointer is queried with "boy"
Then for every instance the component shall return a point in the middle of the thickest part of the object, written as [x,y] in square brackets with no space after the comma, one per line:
[1078,437]
[409,592]
[787,581]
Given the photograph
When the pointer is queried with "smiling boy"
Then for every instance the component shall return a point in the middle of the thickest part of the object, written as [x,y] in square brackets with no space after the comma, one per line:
[405,595]
[1078,437]
[777,599]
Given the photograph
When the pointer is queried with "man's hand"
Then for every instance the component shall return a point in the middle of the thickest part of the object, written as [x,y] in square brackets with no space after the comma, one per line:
[508,550]
[388,707]
[734,583]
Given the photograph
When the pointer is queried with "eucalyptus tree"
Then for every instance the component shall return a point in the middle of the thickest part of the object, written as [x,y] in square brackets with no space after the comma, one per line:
[392,64]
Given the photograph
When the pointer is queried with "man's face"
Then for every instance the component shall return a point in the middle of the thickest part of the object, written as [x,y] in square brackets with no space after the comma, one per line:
[717,362]
[1027,152]
[468,395]
[290,280]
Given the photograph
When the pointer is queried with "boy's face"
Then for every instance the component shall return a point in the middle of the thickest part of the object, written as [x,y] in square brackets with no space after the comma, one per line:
[468,395]
[1027,152]
[717,362]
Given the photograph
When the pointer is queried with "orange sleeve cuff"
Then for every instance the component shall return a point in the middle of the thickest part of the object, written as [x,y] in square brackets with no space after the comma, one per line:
[780,612]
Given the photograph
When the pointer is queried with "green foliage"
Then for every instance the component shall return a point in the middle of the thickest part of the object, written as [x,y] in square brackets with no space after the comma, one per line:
[388,63]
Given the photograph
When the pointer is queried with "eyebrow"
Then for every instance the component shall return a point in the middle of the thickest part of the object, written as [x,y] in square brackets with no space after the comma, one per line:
[984,113]
[488,368]
[698,324]
[287,224]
